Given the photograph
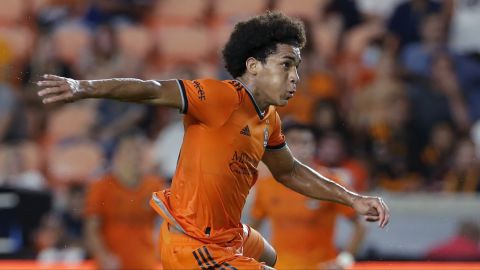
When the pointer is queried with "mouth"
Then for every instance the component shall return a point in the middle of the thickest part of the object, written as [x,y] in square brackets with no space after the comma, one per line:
[291,93]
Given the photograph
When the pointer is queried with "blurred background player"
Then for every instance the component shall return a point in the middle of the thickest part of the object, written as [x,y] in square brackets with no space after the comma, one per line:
[303,229]
[119,222]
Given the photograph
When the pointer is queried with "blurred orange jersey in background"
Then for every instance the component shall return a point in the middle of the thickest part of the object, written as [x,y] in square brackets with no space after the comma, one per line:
[127,220]
[303,229]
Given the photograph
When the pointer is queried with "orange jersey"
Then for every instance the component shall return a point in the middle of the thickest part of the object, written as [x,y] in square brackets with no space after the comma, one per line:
[127,221]
[302,228]
[225,137]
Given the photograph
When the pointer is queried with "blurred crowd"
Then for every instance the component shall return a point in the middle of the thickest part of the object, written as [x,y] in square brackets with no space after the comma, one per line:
[392,89]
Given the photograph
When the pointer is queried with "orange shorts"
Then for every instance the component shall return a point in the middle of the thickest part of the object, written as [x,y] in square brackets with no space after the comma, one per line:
[179,251]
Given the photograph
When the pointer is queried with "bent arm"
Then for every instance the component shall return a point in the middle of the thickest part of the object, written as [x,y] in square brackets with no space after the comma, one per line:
[304,180]
[60,89]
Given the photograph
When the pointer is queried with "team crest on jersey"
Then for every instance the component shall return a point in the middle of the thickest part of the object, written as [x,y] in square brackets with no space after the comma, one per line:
[265,135]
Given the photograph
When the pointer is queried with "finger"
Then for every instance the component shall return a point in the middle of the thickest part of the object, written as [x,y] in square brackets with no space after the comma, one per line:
[387,214]
[60,98]
[49,83]
[371,218]
[381,212]
[50,91]
[53,77]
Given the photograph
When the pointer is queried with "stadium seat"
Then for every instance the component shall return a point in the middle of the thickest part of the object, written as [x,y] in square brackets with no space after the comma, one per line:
[134,41]
[234,10]
[70,121]
[180,11]
[72,41]
[74,162]
[184,43]
[307,9]
[222,30]
[12,11]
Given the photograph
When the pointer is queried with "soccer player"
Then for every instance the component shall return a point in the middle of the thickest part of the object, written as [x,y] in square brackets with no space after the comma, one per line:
[303,229]
[229,127]
[119,223]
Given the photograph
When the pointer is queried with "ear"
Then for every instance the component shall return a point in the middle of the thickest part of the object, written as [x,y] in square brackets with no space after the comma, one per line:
[252,65]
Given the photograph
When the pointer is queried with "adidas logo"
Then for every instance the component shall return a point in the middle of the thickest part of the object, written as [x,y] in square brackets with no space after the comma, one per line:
[245,131]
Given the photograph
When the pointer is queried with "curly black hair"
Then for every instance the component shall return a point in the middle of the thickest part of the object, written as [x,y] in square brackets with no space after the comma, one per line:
[258,37]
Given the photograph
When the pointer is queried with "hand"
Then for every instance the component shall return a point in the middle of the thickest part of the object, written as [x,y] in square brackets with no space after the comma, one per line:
[60,89]
[373,208]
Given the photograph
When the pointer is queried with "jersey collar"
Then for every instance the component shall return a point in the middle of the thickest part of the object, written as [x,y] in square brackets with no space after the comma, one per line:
[261,114]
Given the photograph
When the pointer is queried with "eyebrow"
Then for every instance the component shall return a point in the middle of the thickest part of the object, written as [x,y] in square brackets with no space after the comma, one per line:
[294,59]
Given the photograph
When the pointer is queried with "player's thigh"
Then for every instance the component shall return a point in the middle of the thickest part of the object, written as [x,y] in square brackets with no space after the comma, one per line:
[209,257]
[179,251]
[256,247]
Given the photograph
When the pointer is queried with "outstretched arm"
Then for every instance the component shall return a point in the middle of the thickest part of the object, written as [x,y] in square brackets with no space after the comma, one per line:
[56,89]
[302,179]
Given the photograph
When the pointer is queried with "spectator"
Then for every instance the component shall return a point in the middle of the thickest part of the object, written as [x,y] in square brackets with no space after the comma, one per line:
[463,174]
[405,20]
[463,246]
[436,156]
[416,57]
[327,117]
[437,100]
[332,153]
[53,244]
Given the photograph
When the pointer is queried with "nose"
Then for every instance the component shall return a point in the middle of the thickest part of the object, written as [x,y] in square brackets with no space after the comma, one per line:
[294,78]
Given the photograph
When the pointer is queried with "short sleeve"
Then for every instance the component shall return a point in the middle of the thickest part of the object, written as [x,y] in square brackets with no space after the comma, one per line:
[276,139]
[93,202]
[259,210]
[208,101]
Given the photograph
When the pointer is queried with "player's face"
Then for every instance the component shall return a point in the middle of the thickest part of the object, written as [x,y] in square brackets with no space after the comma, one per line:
[129,157]
[302,144]
[278,77]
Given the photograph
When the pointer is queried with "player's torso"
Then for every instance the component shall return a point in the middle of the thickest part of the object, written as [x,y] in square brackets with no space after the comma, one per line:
[294,217]
[129,206]
[231,150]
[292,211]
[218,163]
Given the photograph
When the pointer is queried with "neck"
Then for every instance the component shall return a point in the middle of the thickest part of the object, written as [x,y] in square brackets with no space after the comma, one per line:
[127,179]
[257,95]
